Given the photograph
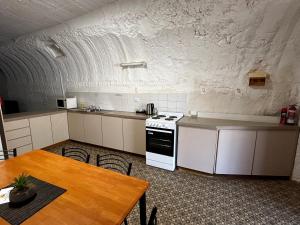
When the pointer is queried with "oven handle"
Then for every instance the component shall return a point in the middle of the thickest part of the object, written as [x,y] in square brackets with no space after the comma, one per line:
[161,131]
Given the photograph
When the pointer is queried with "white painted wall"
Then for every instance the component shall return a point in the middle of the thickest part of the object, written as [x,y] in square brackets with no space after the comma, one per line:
[201,48]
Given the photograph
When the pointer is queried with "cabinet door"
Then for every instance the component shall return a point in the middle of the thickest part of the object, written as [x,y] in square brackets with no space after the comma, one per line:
[60,130]
[197,149]
[235,152]
[41,132]
[134,133]
[275,153]
[112,132]
[76,126]
[92,129]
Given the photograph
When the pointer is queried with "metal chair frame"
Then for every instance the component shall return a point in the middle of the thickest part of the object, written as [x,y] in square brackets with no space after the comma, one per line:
[76,153]
[6,153]
[114,162]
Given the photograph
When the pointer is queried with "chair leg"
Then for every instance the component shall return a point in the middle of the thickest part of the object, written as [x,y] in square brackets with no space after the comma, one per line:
[125,221]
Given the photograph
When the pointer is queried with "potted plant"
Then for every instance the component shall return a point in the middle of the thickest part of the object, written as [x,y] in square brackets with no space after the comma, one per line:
[23,191]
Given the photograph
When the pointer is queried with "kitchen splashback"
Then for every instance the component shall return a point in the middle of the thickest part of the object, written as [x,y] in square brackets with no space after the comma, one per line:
[131,102]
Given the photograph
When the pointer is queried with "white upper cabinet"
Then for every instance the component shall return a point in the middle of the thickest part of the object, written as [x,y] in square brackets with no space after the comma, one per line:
[93,129]
[275,153]
[76,126]
[41,132]
[197,149]
[235,152]
[60,129]
[134,134]
[112,128]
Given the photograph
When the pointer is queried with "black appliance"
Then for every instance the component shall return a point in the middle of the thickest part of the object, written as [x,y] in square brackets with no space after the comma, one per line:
[160,141]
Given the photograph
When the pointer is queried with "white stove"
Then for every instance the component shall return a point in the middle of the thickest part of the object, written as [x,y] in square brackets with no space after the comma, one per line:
[161,139]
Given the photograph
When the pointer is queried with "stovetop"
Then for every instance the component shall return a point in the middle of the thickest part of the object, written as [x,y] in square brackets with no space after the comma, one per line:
[164,120]
[166,117]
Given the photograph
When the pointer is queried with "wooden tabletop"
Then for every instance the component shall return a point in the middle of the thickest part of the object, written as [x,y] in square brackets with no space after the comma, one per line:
[94,195]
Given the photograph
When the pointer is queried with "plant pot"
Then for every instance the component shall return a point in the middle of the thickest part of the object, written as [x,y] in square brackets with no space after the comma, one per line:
[18,198]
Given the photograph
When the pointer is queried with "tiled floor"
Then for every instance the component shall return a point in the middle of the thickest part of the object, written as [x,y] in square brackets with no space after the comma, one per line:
[186,198]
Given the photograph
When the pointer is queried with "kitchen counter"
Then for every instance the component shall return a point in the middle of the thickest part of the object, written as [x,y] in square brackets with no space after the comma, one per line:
[27,115]
[112,113]
[219,124]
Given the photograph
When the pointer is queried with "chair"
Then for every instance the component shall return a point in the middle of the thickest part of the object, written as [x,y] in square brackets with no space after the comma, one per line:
[114,162]
[76,153]
[117,163]
[6,154]
[153,218]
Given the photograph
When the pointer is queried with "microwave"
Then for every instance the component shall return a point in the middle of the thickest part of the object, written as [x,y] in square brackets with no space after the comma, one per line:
[66,103]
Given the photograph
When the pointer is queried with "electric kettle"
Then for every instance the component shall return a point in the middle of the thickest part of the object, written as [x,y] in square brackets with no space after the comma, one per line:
[150,109]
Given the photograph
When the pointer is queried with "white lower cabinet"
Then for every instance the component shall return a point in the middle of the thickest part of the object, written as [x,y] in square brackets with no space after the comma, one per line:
[92,129]
[41,132]
[112,129]
[197,149]
[60,129]
[235,152]
[76,126]
[134,135]
[275,153]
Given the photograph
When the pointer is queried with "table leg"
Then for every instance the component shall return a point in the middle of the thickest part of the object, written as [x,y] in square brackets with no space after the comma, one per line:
[143,216]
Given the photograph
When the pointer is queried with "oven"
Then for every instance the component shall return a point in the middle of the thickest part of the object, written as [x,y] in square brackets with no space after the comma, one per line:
[160,141]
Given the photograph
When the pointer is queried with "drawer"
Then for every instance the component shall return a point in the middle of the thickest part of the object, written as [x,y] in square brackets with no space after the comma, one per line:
[24,149]
[17,124]
[14,134]
[20,142]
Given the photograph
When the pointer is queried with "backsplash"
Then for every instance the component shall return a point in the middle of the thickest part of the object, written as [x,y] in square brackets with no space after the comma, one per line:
[131,102]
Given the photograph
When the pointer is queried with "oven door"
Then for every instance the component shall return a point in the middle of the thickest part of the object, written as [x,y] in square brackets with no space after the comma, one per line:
[160,141]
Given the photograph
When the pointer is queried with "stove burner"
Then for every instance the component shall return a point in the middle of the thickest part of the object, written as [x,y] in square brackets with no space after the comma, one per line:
[155,117]
[161,116]
[173,117]
[169,119]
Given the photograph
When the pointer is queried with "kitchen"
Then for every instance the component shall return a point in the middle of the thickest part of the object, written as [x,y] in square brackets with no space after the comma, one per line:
[189,95]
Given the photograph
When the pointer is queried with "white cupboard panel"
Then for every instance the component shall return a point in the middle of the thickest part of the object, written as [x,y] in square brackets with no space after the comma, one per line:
[93,129]
[24,149]
[16,124]
[60,128]
[112,132]
[41,132]
[14,134]
[235,152]
[275,153]
[134,133]
[76,126]
[197,149]
[19,142]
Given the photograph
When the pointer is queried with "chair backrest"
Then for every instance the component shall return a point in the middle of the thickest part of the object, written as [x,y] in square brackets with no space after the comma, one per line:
[153,218]
[114,162]
[6,154]
[76,153]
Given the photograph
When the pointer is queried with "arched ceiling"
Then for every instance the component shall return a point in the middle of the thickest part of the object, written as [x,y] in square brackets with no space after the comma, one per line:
[18,17]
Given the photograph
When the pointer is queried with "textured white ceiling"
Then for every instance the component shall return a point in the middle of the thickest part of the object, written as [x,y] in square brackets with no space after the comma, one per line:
[18,17]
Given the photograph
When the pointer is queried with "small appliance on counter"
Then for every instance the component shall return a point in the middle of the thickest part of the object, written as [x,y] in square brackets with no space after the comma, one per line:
[150,109]
[66,103]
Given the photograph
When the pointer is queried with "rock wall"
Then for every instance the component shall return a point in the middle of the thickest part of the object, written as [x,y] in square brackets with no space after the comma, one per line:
[203,49]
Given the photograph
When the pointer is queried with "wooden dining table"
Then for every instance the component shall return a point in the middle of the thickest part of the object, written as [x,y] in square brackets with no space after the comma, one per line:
[94,195]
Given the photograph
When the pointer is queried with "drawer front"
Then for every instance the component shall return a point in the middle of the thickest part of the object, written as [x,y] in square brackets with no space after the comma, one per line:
[14,134]
[20,142]
[24,149]
[13,125]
